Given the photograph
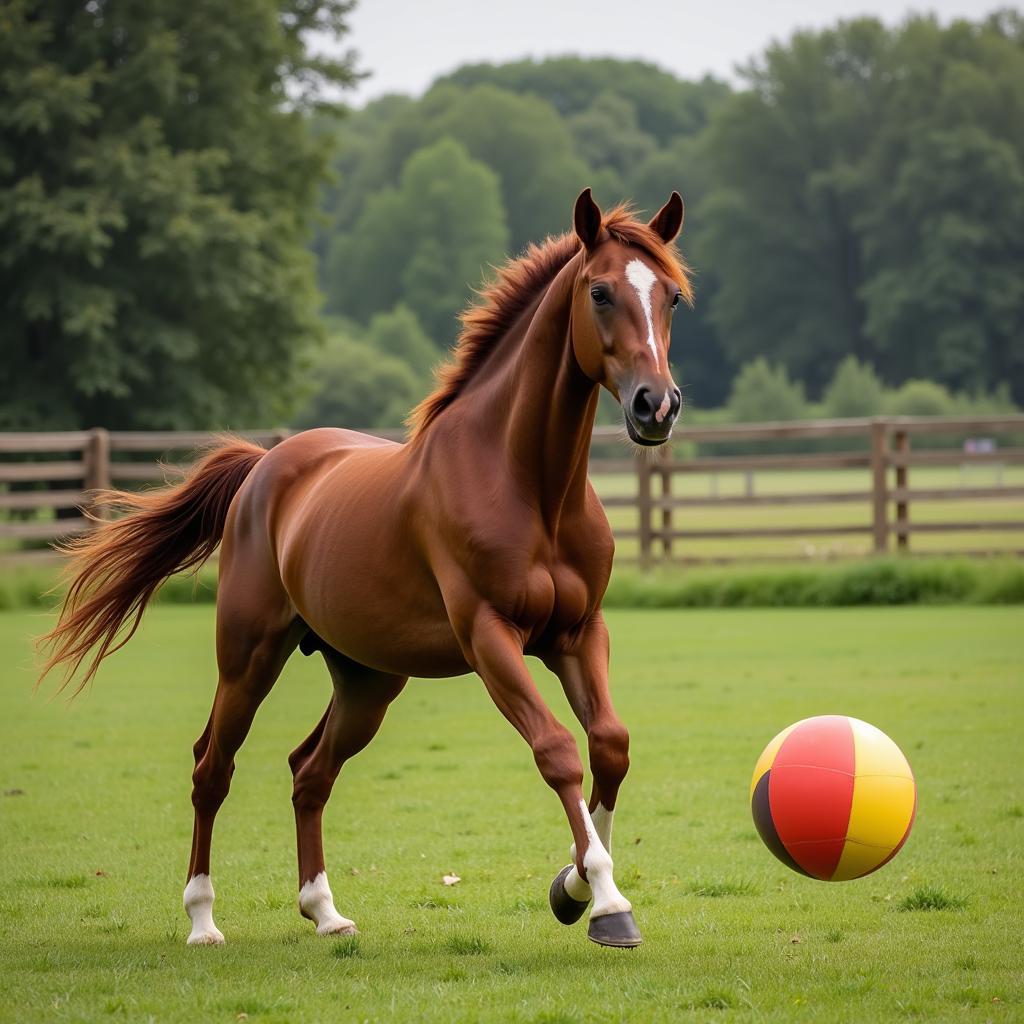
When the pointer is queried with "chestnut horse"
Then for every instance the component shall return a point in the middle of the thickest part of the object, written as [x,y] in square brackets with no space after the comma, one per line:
[477,542]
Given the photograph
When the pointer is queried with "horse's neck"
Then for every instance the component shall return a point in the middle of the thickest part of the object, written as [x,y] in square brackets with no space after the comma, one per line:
[536,408]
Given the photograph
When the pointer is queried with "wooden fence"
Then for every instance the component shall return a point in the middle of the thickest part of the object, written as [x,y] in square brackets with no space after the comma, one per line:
[46,480]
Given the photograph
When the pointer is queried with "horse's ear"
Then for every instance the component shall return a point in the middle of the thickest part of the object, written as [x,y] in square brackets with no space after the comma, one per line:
[668,221]
[586,219]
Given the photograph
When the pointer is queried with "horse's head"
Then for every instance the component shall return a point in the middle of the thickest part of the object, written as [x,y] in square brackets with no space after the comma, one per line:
[629,283]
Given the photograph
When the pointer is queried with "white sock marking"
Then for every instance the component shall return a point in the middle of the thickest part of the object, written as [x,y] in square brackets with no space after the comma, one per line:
[602,819]
[316,900]
[198,900]
[642,278]
[598,864]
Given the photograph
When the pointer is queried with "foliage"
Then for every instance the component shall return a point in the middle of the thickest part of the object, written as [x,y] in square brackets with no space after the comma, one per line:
[357,386]
[424,242]
[868,199]
[762,393]
[861,197]
[544,129]
[892,581]
[874,582]
[665,108]
[157,177]
[399,334]
[920,398]
[854,390]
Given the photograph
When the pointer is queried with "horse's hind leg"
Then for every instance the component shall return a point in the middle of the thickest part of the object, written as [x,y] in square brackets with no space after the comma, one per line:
[256,632]
[360,701]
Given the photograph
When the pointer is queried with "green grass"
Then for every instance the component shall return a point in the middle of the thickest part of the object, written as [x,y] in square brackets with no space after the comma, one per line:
[93,848]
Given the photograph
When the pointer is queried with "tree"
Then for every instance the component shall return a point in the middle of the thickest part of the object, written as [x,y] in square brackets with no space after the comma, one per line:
[157,180]
[399,334]
[763,393]
[944,240]
[868,199]
[528,146]
[426,243]
[855,390]
[665,107]
[356,386]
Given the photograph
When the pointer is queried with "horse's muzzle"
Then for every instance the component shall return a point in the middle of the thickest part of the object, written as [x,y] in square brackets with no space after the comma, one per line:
[650,414]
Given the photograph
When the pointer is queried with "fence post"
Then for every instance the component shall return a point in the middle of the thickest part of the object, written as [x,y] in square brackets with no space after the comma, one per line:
[879,493]
[901,442]
[666,495]
[96,466]
[643,509]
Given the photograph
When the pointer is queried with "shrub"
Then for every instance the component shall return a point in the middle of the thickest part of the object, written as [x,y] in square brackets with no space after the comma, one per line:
[762,392]
[920,398]
[398,334]
[876,582]
[358,387]
[855,390]
[888,581]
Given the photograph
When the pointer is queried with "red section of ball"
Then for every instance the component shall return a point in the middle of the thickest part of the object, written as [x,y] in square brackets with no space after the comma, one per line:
[810,792]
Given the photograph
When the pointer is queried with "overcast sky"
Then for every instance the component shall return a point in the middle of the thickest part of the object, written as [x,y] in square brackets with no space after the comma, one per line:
[406,44]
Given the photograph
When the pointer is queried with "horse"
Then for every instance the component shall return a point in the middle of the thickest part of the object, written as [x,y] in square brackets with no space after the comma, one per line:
[476,542]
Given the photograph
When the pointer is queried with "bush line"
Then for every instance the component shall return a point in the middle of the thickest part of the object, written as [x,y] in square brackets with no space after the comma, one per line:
[877,582]
[894,581]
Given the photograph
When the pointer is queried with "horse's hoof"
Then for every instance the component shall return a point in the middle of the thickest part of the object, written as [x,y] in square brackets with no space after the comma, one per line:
[563,906]
[337,929]
[617,930]
[208,937]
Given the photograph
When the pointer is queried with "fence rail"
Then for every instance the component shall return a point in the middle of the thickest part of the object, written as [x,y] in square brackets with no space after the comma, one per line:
[47,481]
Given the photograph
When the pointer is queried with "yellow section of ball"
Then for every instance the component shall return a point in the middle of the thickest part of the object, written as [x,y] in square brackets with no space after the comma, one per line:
[875,753]
[884,798]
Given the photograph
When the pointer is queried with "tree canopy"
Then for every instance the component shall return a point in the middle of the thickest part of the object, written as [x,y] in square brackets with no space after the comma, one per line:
[868,199]
[854,212]
[157,178]
[860,196]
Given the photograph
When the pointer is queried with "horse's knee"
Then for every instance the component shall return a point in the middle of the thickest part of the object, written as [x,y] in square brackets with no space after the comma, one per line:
[558,758]
[209,787]
[609,753]
[311,789]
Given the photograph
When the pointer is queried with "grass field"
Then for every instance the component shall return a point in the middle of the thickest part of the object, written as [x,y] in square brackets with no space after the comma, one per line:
[95,823]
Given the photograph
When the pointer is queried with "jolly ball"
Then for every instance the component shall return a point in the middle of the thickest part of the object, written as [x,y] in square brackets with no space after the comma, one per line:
[833,797]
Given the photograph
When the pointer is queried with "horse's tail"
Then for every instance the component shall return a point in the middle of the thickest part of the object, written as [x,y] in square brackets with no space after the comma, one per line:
[116,568]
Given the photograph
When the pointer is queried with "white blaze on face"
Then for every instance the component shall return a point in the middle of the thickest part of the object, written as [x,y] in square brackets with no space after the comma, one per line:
[642,278]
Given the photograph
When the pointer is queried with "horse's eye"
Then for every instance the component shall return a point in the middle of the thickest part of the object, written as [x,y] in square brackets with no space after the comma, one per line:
[676,298]
[600,296]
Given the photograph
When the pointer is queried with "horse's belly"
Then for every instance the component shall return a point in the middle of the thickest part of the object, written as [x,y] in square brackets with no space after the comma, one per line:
[385,637]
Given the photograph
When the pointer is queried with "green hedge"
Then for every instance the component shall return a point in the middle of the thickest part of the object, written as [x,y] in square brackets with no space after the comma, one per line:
[882,582]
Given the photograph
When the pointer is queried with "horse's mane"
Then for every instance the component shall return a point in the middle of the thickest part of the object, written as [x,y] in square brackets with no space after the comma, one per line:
[516,285]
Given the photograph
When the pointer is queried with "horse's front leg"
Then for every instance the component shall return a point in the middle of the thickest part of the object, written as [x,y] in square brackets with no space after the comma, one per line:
[495,650]
[583,673]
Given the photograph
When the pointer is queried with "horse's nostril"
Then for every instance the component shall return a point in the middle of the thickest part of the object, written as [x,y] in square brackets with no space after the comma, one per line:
[643,411]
